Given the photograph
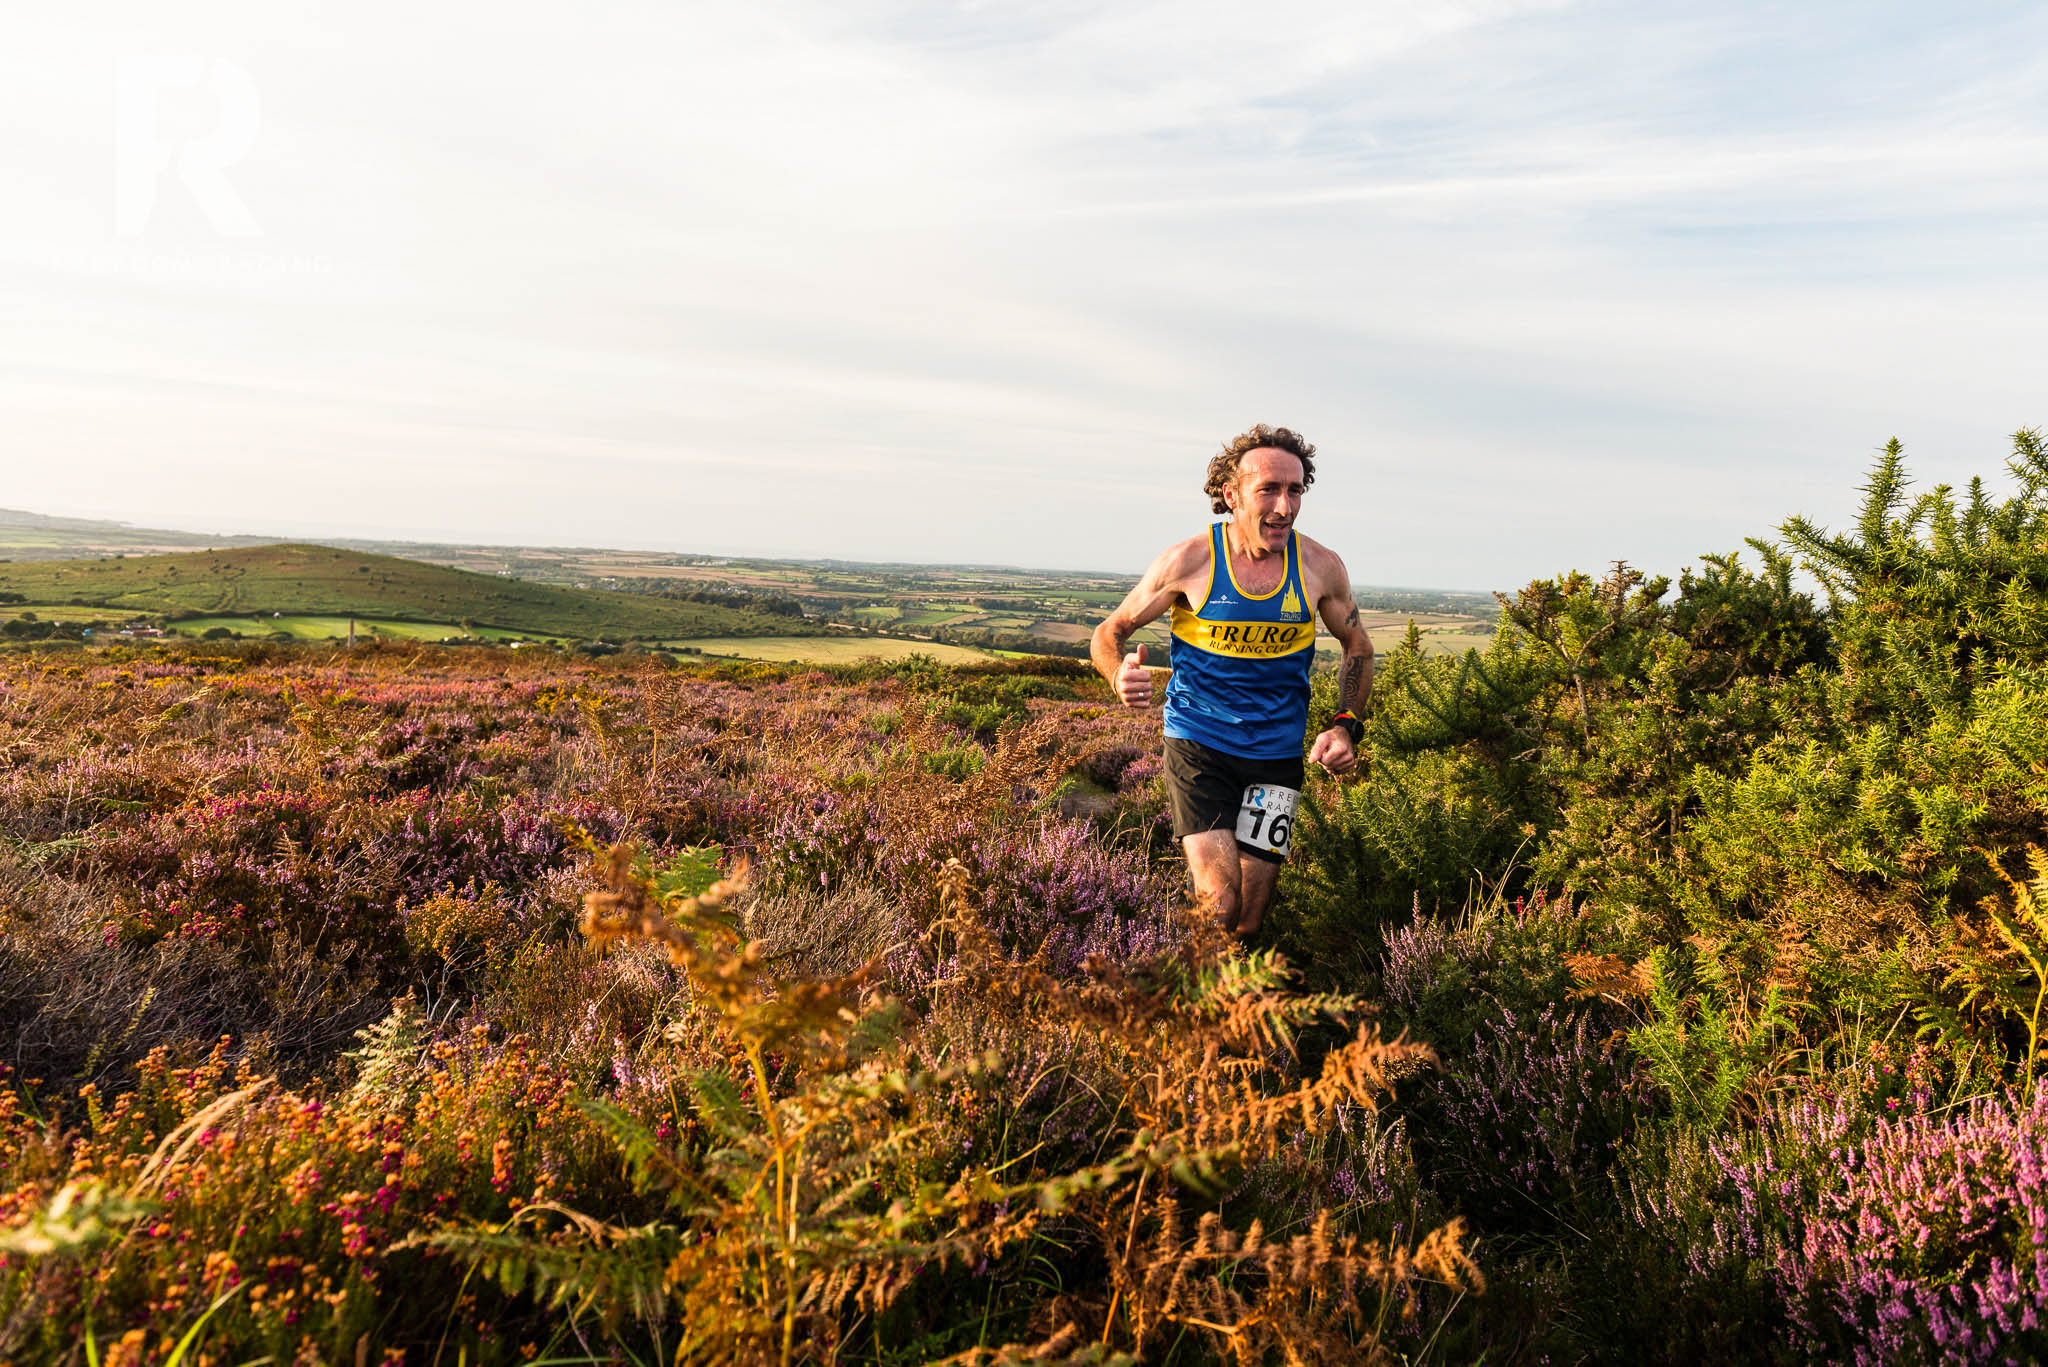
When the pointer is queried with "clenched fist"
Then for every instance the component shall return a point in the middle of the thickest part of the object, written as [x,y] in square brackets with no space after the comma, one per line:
[1334,751]
[1134,681]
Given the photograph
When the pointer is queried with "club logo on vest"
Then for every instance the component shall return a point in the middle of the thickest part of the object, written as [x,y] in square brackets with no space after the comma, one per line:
[1245,640]
[1290,607]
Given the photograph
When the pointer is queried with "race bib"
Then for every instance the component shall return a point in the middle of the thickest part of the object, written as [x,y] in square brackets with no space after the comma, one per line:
[1266,819]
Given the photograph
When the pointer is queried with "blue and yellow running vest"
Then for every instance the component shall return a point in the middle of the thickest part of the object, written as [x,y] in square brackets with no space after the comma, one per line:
[1240,662]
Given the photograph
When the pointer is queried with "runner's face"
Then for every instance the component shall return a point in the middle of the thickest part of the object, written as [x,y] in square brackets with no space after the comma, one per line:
[1267,497]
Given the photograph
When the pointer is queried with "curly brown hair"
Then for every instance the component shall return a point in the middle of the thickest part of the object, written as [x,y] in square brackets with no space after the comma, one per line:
[1223,465]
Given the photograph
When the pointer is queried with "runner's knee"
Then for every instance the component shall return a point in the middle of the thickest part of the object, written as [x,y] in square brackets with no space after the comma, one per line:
[1218,889]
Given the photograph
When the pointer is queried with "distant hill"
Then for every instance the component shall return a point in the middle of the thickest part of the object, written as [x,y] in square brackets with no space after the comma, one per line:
[303,579]
[37,536]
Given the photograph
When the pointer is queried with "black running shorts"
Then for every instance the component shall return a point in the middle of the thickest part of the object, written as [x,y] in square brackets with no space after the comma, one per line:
[1206,789]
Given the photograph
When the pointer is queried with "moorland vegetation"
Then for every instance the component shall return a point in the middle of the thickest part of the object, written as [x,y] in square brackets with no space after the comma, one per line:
[1669,987]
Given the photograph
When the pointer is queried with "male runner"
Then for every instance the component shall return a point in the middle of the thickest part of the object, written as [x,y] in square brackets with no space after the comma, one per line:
[1243,641]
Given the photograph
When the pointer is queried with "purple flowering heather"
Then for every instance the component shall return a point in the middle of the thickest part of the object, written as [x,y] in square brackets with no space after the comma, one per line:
[1916,1239]
[1934,1247]
[1106,766]
[1377,1168]
[236,868]
[1531,1116]
[438,842]
[1139,774]
[1415,953]
[1050,886]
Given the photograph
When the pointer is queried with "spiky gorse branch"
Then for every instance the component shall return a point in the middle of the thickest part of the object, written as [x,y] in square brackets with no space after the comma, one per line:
[778,1231]
[1931,594]
[2001,971]
[1574,619]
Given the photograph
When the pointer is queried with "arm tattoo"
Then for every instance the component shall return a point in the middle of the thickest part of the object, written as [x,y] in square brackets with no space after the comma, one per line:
[1352,620]
[1353,683]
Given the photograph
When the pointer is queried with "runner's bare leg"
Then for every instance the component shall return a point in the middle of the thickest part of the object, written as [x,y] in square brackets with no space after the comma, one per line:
[1213,864]
[1255,889]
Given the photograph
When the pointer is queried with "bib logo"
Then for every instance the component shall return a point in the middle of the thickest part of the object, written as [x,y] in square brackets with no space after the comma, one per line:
[1290,606]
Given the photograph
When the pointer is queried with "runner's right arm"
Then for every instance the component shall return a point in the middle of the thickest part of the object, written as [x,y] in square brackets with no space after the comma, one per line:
[1155,592]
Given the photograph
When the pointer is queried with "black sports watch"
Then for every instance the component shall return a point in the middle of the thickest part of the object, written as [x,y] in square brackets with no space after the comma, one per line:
[1353,727]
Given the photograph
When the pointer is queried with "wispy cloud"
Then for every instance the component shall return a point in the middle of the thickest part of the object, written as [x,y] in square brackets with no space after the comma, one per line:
[1550,283]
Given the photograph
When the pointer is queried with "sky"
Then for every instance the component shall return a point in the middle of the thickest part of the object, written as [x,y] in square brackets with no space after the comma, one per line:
[1549,285]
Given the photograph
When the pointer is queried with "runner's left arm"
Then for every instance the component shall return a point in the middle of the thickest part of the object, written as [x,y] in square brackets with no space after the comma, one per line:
[1333,748]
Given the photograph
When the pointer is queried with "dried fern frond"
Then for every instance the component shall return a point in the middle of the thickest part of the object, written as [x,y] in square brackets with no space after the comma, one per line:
[778,1230]
[1315,1297]
[618,1272]
[1611,976]
[1067,1348]
[2001,966]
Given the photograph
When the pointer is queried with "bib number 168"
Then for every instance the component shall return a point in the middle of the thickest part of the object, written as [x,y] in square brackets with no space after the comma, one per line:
[1266,819]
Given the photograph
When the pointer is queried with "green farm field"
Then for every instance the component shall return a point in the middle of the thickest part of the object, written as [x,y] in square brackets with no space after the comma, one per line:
[1442,633]
[831,649]
[320,582]
[66,612]
[304,627]
[934,617]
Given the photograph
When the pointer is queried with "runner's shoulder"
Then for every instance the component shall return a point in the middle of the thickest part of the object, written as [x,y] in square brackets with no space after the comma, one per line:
[1320,563]
[1181,561]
